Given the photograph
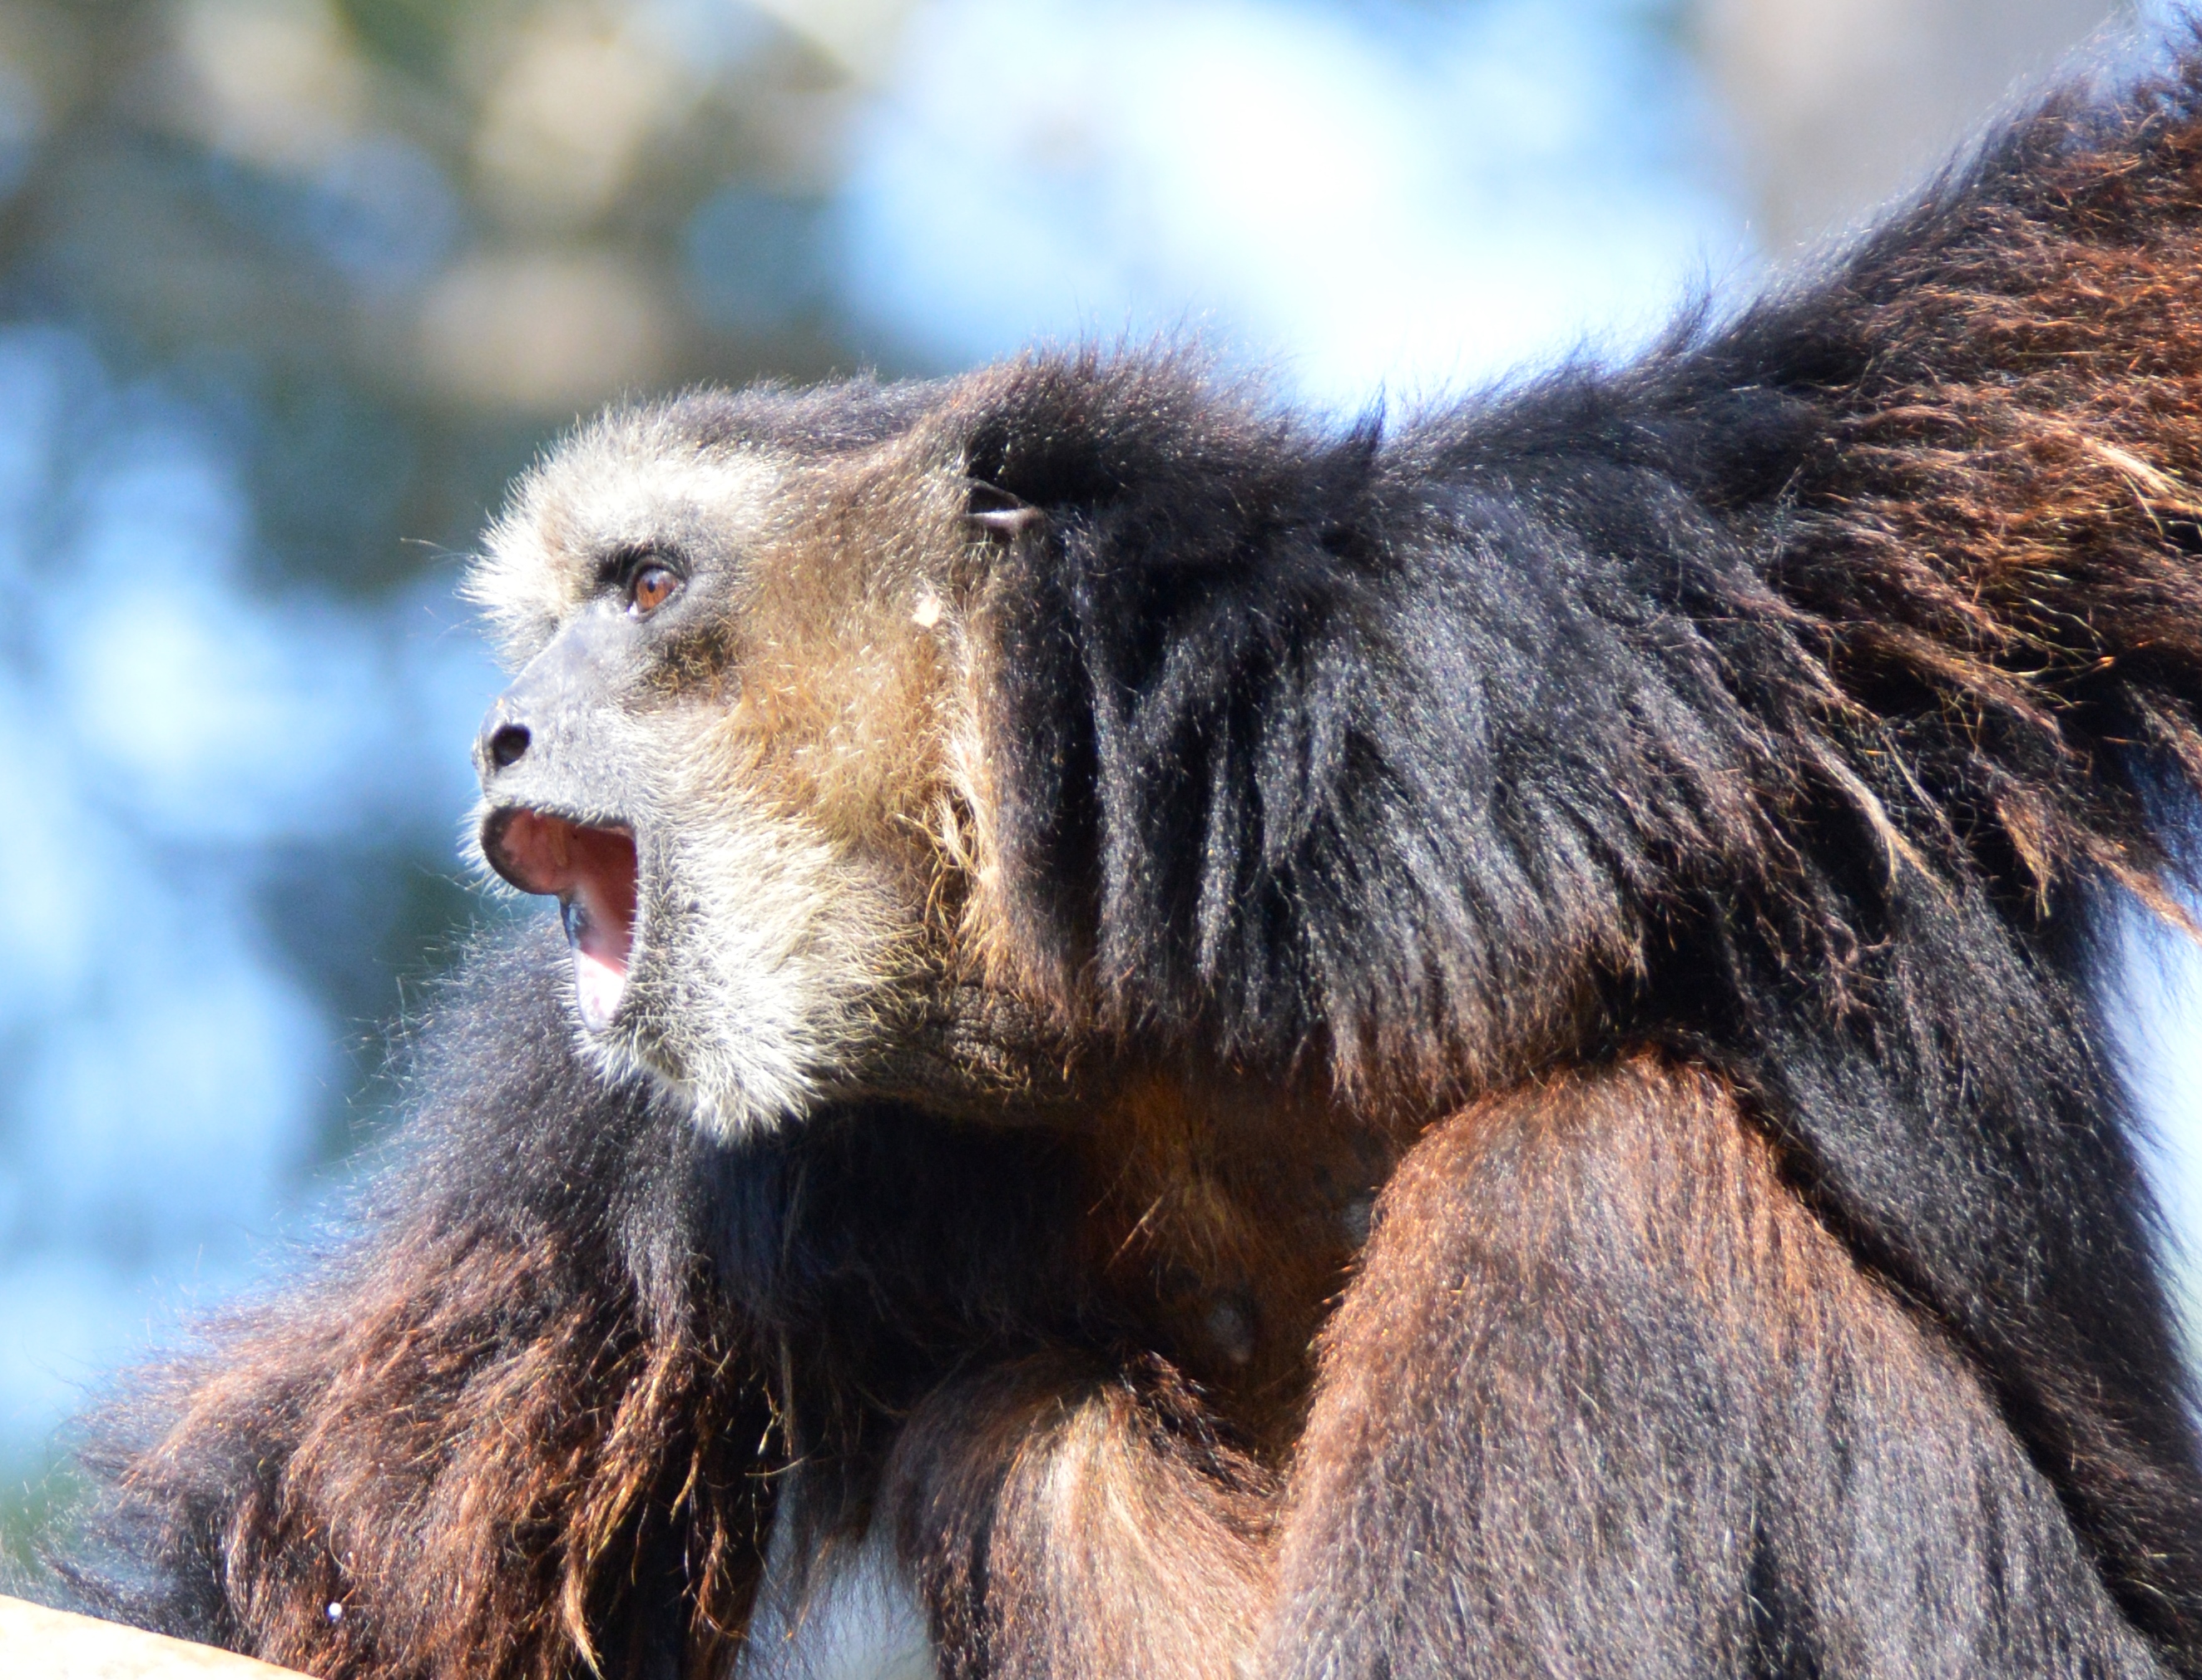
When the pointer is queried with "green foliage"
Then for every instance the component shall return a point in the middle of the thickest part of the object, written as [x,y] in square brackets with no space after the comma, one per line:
[412,35]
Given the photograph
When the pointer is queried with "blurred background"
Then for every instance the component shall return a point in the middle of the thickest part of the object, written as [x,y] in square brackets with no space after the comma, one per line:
[288,288]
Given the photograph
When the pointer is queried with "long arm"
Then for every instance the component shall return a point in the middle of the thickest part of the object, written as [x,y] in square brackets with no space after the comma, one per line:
[501,1429]
[1607,1400]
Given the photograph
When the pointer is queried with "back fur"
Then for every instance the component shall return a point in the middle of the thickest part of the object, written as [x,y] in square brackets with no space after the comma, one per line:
[1799,700]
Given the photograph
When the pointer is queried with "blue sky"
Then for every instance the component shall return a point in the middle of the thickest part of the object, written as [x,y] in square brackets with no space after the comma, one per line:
[1402,198]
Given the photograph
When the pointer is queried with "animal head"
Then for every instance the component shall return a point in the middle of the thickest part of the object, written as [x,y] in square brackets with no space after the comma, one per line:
[736,747]
[795,738]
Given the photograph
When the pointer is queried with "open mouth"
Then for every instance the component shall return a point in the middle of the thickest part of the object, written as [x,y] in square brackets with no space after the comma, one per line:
[590,872]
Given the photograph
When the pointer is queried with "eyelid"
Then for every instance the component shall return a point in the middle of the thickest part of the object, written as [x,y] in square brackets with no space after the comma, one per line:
[619,568]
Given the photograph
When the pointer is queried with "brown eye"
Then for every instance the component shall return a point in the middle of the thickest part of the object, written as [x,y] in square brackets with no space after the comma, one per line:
[651,588]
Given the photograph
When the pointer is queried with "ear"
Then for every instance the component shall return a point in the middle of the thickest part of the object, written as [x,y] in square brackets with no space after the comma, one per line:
[995,512]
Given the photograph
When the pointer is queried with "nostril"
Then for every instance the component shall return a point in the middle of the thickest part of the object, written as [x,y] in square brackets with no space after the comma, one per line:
[509,745]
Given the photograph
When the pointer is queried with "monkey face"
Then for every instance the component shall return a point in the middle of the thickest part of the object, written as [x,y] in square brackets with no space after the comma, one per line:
[724,749]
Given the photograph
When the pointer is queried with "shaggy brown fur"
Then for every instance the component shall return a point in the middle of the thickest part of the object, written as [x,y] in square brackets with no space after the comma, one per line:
[470,1451]
[1614,1258]
[2009,486]
[1082,1523]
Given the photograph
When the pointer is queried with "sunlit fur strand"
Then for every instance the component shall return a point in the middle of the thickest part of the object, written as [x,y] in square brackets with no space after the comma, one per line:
[523,1333]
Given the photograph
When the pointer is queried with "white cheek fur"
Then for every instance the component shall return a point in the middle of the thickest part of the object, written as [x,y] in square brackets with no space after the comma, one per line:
[759,951]
[760,956]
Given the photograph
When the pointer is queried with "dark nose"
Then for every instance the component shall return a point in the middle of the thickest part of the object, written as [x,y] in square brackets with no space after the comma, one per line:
[505,742]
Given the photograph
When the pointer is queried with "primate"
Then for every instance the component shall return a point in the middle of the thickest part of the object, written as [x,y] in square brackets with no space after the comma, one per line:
[1213,1045]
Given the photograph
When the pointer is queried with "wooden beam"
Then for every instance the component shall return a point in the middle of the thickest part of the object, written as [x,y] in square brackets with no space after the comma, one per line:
[41,1644]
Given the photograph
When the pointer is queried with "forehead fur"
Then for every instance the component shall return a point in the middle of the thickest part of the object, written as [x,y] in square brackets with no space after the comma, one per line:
[700,471]
[635,477]
[714,471]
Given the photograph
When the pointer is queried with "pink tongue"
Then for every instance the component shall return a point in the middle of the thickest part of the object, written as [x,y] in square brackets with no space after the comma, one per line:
[600,953]
[591,871]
